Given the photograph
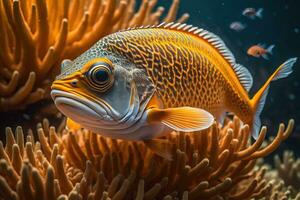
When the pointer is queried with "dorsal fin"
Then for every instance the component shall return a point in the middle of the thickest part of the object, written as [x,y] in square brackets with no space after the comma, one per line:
[244,76]
[215,41]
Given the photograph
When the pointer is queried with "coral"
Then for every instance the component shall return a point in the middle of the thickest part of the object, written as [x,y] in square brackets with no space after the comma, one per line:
[279,189]
[35,35]
[288,169]
[213,164]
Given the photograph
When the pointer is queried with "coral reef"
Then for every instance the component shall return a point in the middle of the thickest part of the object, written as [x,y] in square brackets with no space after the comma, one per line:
[288,169]
[35,35]
[280,190]
[284,177]
[217,163]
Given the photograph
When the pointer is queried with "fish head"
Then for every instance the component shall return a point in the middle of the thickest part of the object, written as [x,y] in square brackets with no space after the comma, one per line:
[250,51]
[253,51]
[105,94]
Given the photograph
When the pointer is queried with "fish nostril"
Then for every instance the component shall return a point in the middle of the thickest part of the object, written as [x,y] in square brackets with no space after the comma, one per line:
[74,83]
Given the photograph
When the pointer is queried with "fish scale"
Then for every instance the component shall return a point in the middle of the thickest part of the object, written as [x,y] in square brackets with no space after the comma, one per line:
[164,53]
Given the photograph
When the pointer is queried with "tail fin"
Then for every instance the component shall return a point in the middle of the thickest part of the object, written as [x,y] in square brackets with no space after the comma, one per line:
[258,101]
[270,49]
[259,13]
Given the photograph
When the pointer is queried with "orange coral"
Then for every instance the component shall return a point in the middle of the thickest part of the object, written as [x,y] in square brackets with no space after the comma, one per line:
[213,164]
[35,35]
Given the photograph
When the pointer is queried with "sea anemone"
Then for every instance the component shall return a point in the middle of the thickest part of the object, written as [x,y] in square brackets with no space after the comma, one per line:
[217,163]
[35,35]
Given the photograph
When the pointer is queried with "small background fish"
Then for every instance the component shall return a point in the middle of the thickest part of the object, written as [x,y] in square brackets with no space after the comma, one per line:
[237,26]
[252,13]
[260,50]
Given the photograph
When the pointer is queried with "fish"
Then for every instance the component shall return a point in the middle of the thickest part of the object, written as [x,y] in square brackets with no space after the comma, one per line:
[252,13]
[237,26]
[260,50]
[143,83]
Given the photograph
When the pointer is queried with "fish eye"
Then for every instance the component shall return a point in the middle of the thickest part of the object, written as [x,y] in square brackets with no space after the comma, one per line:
[100,76]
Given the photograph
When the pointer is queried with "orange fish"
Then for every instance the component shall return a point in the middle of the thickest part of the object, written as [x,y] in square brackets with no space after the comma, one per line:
[260,51]
[142,83]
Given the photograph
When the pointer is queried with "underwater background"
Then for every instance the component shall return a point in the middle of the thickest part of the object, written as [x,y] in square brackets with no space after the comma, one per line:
[280,25]
[215,165]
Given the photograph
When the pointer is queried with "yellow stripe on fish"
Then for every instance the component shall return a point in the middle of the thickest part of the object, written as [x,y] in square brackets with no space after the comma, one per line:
[158,79]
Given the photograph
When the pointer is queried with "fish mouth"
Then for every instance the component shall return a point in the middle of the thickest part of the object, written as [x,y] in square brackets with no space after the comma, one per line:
[97,116]
[80,108]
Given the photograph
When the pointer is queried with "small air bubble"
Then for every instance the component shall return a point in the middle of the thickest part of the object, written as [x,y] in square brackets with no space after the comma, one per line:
[26,116]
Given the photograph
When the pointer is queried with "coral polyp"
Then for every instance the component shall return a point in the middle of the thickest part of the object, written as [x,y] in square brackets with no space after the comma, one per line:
[36,35]
[217,163]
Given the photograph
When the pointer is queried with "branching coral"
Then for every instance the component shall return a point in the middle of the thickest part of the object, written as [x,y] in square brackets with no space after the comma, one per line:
[284,178]
[288,169]
[35,35]
[213,164]
[280,190]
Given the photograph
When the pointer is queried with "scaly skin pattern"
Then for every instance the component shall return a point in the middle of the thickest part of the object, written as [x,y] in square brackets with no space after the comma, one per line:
[185,69]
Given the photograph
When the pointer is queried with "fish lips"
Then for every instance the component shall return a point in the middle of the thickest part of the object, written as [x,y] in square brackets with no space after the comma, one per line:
[77,108]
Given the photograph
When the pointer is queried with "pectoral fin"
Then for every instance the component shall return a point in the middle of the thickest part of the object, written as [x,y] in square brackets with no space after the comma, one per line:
[160,147]
[72,125]
[186,119]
